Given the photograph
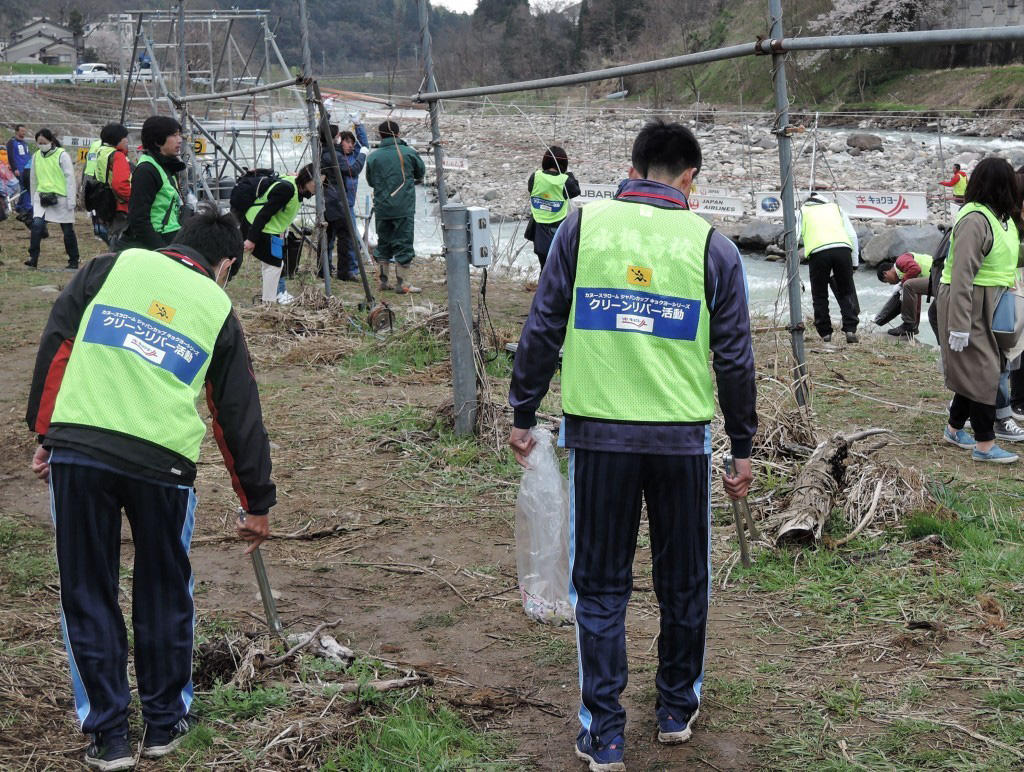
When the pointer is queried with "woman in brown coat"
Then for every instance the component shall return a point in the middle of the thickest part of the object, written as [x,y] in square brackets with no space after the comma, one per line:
[983,258]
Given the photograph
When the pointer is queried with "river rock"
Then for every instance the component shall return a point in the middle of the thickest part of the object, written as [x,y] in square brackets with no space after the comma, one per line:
[854,151]
[758,234]
[894,241]
[766,143]
[490,195]
[864,232]
[865,142]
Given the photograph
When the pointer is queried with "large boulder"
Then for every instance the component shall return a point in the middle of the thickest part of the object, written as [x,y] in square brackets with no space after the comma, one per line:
[758,234]
[891,242]
[864,142]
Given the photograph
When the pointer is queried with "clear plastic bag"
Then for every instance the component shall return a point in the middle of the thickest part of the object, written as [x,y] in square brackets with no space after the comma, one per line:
[542,535]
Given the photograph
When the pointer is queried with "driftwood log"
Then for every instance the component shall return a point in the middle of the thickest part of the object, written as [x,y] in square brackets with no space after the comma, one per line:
[815,489]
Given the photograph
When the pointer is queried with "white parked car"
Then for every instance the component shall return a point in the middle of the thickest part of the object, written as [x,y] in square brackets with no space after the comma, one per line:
[92,68]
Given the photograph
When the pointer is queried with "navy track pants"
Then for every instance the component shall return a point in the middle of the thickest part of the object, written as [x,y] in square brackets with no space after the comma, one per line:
[605,501]
[86,505]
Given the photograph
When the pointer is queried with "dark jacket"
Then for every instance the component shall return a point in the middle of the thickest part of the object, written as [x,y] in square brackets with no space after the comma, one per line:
[146,184]
[726,295]
[351,166]
[18,156]
[393,170]
[231,395]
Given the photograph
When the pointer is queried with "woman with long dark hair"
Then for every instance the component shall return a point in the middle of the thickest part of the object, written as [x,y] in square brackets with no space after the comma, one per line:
[53,196]
[984,255]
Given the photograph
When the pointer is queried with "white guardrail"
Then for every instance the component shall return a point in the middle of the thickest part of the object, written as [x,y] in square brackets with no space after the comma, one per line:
[29,79]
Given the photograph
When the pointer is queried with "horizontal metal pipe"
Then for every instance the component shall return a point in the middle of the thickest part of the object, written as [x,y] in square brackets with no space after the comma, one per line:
[932,37]
[872,40]
[178,100]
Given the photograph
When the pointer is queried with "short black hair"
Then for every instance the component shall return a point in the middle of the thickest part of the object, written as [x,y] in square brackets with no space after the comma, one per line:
[49,137]
[883,268]
[113,133]
[214,235]
[304,176]
[388,129]
[956,166]
[156,130]
[555,159]
[18,126]
[668,148]
[346,135]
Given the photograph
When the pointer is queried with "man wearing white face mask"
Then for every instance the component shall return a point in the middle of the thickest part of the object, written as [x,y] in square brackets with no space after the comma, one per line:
[129,346]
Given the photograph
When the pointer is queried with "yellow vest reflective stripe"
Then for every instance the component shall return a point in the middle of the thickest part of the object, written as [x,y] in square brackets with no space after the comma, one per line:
[279,223]
[49,176]
[999,266]
[547,197]
[90,158]
[822,225]
[960,187]
[924,261]
[142,351]
[637,342]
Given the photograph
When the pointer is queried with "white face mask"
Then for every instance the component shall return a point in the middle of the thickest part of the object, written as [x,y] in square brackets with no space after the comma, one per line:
[44,146]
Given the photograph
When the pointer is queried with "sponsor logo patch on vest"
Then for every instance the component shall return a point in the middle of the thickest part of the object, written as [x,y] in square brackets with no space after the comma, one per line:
[156,344]
[161,311]
[664,316]
[638,275]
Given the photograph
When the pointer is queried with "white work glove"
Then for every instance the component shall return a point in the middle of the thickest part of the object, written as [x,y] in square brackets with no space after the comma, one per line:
[364,149]
[958,340]
[191,200]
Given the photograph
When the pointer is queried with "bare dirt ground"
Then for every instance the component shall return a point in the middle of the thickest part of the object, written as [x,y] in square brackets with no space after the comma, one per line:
[903,650]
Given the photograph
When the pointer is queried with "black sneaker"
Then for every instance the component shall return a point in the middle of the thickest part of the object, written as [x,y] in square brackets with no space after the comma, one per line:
[851,337]
[161,741]
[902,331]
[109,752]
[31,263]
[827,338]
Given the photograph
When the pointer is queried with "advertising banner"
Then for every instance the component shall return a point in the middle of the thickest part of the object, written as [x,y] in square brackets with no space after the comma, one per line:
[861,204]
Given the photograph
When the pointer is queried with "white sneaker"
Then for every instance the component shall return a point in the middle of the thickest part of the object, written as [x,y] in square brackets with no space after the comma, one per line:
[285,298]
[1008,429]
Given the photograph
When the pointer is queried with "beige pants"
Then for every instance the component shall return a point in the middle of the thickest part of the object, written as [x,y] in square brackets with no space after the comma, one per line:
[271,277]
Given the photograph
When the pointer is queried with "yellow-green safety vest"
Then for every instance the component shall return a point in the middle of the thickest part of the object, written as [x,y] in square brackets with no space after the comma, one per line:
[90,158]
[102,161]
[924,261]
[822,225]
[279,223]
[49,176]
[960,186]
[637,343]
[141,353]
[999,266]
[548,203]
[163,215]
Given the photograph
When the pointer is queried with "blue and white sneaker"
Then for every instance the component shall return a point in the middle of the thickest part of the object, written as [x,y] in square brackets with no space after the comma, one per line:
[606,758]
[110,751]
[160,741]
[995,456]
[961,439]
[671,730]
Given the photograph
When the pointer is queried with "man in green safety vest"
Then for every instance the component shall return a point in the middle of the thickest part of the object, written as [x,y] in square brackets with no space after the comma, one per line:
[642,291]
[832,250]
[131,343]
[911,271]
[958,182]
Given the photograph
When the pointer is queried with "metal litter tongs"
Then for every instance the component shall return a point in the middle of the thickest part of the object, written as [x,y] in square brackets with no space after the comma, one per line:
[269,607]
[741,515]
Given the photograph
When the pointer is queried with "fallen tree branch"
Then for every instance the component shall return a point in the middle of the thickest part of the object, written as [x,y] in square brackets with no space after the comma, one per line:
[275,661]
[864,520]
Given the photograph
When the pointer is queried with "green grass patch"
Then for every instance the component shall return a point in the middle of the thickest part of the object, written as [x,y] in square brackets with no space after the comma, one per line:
[417,735]
[400,353]
[24,68]
[228,703]
[28,562]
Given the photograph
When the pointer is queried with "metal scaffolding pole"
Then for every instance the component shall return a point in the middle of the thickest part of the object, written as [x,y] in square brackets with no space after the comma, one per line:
[774,45]
[127,80]
[314,149]
[460,302]
[796,321]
